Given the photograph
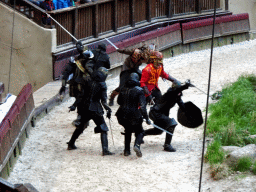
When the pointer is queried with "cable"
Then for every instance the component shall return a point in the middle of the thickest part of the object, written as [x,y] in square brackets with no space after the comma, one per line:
[9,80]
[208,91]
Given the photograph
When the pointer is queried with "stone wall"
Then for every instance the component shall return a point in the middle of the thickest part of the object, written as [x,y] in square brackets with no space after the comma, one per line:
[31,60]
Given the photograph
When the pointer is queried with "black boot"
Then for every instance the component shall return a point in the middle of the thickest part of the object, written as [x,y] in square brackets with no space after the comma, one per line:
[71,143]
[104,143]
[168,138]
[137,144]
[127,142]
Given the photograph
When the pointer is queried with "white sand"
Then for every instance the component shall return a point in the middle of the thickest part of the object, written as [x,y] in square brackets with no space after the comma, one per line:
[47,165]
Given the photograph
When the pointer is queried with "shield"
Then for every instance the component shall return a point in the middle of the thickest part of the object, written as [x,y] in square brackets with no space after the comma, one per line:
[192,118]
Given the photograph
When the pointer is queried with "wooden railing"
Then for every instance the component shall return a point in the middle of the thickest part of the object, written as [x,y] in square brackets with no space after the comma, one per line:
[15,123]
[104,16]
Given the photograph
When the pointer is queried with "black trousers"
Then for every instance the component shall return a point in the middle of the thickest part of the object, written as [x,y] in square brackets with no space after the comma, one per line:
[87,116]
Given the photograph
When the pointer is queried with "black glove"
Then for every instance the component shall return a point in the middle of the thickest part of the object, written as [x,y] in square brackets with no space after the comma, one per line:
[109,114]
[62,90]
[72,108]
[150,100]
[188,83]
[176,84]
[148,121]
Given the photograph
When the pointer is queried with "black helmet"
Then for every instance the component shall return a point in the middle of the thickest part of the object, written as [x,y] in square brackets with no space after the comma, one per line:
[133,80]
[102,46]
[100,74]
[134,77]
[80,47]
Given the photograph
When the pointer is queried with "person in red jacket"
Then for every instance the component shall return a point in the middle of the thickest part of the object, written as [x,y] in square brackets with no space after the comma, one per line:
[150,75]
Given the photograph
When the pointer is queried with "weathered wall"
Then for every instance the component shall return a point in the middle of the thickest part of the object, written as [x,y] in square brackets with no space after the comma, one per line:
[31,60]
[245,6]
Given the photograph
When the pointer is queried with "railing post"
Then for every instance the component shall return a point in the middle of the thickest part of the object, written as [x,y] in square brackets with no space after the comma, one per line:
[149,2]
[96,21]
[30,12]
[115,16]
[74,23]
[198,6]
[226,5]
[169,9]
[132,19]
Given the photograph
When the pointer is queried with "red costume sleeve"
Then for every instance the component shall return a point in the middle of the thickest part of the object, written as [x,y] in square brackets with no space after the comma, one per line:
[164,74]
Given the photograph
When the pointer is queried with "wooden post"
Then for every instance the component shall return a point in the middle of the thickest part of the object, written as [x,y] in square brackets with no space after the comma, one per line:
[115,16]
[132,11]
[226,5]
[198,6]
[149,2]
[96,21]
[74,23]
[169,9]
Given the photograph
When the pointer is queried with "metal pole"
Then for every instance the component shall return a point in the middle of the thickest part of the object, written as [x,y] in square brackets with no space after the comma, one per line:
[10,67]
[61,26]
[207,101]
[156,126]
[112,44]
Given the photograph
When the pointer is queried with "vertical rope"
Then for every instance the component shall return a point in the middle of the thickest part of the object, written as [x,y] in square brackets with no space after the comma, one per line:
[10,67]
[208,91]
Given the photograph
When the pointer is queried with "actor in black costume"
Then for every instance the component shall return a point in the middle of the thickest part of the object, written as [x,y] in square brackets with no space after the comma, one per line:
[100,59]
[93,97]
[129,115]
[159,113]
[76,66]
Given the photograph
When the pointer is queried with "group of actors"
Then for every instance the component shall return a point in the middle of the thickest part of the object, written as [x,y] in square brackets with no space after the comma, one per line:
[136,89]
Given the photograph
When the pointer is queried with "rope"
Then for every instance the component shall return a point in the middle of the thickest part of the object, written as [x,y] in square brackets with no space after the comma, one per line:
[9,80]
[208,91]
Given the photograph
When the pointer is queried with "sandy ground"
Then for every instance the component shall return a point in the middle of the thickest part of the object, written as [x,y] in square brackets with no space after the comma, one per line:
[50,167]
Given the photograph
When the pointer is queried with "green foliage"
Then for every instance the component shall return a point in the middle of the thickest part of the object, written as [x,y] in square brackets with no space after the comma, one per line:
[254,168]
[214,153]
[243,164]
[231,121]
[234,113]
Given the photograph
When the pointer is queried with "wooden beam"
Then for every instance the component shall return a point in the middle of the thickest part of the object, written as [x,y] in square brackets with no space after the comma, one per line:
[149,15]
[75,23]
[226,5]
[114,9]
[198,6]
[169,8]
[132,12]
[96,21]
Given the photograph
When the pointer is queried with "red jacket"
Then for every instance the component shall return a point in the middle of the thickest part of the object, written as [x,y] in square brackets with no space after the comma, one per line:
[150,76]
